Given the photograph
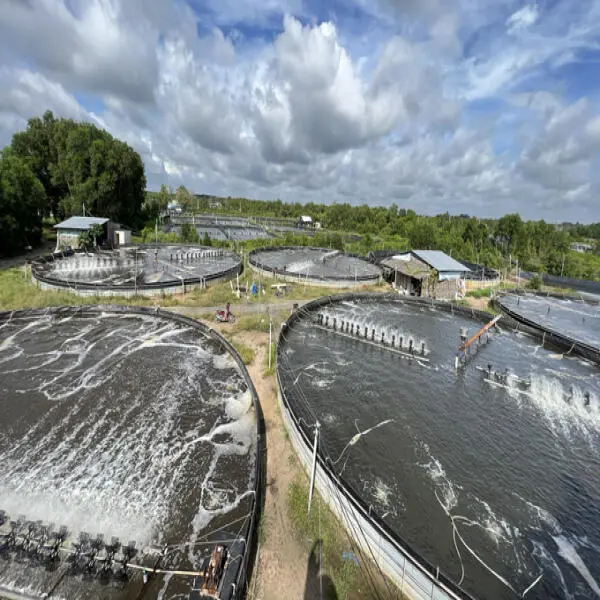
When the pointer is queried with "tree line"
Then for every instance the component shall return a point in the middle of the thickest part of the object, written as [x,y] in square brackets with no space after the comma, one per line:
[54,168]
[538,246]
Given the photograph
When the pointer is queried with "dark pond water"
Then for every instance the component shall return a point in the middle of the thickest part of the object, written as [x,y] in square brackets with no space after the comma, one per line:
[510,459]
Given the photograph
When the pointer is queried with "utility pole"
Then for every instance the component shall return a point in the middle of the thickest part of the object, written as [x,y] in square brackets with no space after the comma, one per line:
[314,466]
[562,268]
[270,340]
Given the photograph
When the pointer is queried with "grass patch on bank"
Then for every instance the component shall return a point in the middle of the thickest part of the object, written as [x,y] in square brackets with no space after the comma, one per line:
[17,291]
[246,353]
[252,323]
[481,293]
[342,572]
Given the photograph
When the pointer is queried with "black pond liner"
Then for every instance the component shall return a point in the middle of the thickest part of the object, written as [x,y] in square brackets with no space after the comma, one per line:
[344,488]
[255,262]
[549,335]
[129,287]
[238,576]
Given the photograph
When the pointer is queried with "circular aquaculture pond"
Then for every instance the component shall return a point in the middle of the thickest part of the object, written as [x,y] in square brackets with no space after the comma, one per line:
[571,318]
[490,471]
[314,265]
[138,269]
[133,425]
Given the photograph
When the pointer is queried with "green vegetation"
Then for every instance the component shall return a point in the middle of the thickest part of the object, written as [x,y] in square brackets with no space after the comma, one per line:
[17,291]
[312,528]
[91,236]
[252,323]
[246,353]
[75,164]
[535,283]
[189,234]
[79,163]
[537,245]
[22,198]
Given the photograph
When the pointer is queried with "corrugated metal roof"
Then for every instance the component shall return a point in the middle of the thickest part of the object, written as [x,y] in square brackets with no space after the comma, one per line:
[81,222]
[440,261]
[407,265]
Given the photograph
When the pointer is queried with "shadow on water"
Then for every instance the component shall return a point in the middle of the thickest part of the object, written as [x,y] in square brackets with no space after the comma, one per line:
[318,585]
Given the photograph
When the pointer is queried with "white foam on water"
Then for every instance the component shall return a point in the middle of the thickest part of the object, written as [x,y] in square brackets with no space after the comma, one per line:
[117,468]
[300,266]
[329,419]
[322,384]
[567,550]
[563,406]
[437,474]
[542,519]
[550,563]
[224,361]
[163,589]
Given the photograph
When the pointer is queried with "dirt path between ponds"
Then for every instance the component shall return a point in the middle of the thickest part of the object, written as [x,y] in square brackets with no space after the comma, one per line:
[282,563]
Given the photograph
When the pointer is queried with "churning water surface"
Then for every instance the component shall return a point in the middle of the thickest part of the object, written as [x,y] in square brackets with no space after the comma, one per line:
[163,264]
[506,465]
[128,425]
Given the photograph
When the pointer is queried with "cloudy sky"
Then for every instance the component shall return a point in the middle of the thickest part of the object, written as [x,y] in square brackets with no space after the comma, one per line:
[471,106]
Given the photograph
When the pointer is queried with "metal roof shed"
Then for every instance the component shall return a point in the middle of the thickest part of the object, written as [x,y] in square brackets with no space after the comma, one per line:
[82,223]
[445,265]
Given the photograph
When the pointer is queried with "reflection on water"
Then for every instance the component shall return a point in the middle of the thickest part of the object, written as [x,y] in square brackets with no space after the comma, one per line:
[493,475]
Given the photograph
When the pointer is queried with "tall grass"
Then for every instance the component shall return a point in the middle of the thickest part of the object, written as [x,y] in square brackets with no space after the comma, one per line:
[246,353]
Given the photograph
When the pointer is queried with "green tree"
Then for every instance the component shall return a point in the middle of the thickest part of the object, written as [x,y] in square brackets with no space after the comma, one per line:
[183,197]
[78,163]
[206,241]
[508,228]
[22,200]
[91,236]
[189,234]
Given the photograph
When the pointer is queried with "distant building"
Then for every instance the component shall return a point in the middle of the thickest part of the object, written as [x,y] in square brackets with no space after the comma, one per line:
[121,237]
[305,221]
[68,232]
[174,207]
[424,273]
[581,247]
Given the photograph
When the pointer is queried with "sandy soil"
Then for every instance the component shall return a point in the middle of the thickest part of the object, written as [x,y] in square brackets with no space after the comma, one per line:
[478,303]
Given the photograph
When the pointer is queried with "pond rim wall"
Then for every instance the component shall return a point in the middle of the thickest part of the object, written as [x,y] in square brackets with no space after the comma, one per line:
[548,334]
[403,565]
[146,289]
[329,280]
[242,573]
